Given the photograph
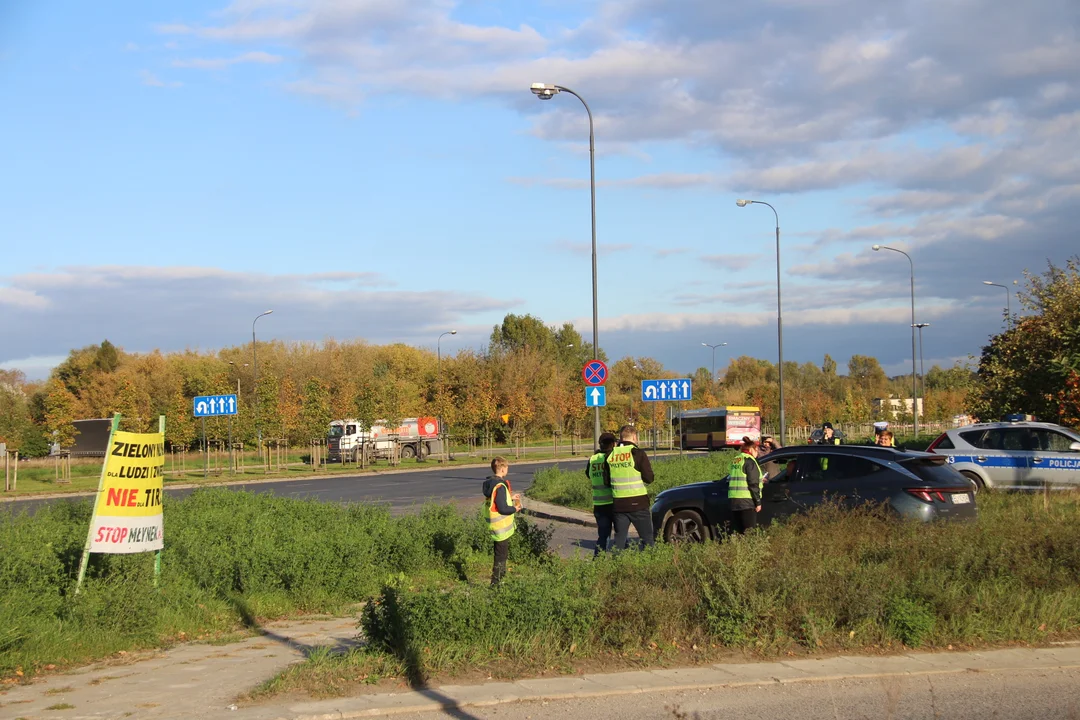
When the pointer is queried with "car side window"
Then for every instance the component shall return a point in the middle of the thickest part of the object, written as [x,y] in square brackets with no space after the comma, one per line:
[1007,439]
[824,468]
[780,469]
[945,443]
[975,438]
[1052,441]
[350,430]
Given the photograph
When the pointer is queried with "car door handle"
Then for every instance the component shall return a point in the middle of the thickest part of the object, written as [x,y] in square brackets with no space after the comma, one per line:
[1036,459]
[981,458]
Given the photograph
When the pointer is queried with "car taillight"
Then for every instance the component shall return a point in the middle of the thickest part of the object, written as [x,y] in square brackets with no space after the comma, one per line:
[929,495]
[936,442]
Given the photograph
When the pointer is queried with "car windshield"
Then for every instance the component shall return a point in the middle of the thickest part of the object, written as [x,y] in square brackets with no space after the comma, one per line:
[337,431]
[934,471]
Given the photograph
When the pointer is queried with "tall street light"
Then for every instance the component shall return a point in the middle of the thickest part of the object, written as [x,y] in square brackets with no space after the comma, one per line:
[438,352]
[712,378]
[237,377]
[232,462]
[438,349]
[779,313]
[922,368]
[914,379]
[1008,300]
[546,92]
[255,369]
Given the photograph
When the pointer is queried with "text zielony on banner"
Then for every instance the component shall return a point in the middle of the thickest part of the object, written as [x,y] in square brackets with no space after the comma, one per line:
[127,514]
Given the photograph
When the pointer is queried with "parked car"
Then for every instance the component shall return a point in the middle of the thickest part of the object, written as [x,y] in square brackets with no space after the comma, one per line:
[1013,455]
[915,485]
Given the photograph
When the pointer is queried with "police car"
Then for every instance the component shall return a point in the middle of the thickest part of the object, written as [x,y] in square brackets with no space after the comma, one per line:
[1013,455]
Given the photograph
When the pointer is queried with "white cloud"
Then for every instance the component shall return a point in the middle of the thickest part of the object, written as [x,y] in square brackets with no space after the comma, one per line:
[172,308]
[258,57]
[151,80]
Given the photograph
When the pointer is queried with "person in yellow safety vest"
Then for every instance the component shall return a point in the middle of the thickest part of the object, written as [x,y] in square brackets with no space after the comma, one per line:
[502,504]
[744,487]
[602,499]
[627,471]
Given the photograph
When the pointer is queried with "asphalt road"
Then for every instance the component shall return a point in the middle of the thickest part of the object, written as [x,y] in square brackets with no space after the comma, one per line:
[402,490]
[1024,695]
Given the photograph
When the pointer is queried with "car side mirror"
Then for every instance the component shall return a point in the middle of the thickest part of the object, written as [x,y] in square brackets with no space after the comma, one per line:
[1075,447]
[723,479]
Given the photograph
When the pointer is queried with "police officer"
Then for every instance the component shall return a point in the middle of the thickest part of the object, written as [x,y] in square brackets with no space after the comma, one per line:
[627,471]
[744,488]
[603,509]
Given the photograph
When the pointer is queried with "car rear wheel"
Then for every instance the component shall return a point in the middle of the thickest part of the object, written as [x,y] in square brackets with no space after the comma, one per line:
[975,480]
[686,526]
[408,452]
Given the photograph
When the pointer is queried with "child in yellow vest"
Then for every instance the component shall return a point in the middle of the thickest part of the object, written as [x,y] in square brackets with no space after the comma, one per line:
[502,504]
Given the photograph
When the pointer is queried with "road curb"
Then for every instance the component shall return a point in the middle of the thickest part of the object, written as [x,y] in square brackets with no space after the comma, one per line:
[453,697]
[558,514]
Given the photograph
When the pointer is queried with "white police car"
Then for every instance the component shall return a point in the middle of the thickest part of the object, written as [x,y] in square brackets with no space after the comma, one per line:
[1013,455]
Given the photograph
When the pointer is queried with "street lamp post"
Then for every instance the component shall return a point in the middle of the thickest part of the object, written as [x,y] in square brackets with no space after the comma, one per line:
[1008,300]
[232,462]
[922,368]
[546,92]
[438,352]
[712,378]
[914,379]
[255,369]
[779,314]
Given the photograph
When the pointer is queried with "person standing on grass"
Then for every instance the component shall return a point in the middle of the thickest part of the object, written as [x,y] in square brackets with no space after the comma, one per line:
[627,471]
[502,504]
[601,493]
[744,487]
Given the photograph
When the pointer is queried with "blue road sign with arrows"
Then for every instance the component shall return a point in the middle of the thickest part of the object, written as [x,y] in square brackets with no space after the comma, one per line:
[214,405]
[595,396]
[671,390]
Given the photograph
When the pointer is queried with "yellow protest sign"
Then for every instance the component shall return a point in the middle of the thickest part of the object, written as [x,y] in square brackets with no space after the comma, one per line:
[127,513]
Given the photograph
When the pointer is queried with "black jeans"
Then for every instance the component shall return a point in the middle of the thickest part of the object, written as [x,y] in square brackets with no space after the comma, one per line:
[743,521]
[605,522]
[502,550]
[642,522]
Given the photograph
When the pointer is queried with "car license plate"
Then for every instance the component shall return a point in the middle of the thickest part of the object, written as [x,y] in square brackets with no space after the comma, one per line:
[961,498]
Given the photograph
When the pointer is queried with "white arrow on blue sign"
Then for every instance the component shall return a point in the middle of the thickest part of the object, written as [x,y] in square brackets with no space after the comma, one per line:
[214,405]
[660,390]
[595,396]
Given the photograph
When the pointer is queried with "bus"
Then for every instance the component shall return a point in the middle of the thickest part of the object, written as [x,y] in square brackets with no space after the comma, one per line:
[717,428]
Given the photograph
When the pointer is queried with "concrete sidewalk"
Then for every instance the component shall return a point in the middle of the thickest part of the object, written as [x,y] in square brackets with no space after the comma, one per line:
[204,681]
[711,676]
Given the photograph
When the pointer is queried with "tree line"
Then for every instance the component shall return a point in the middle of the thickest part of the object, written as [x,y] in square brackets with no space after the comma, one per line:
[525,383]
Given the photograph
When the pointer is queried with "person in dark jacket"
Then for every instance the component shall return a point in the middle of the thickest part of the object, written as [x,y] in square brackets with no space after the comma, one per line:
[825,436]
[627,471]
[501,505]
[744,488]
[603,509]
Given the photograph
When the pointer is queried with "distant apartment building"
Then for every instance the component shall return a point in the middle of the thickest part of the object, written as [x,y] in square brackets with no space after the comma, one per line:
[894,406]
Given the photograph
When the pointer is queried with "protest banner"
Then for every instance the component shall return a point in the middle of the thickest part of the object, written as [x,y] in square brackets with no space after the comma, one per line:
[127,514]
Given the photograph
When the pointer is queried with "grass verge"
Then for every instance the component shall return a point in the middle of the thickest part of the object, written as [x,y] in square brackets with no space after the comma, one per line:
[570,488]
[231,560]
[832,580]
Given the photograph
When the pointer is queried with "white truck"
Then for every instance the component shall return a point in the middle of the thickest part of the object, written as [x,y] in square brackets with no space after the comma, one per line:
[413,437]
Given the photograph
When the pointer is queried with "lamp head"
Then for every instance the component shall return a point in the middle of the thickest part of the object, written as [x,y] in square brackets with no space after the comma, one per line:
[877,247]
[544,91]
[743,203]
[987,282]
[268,312]
[453,332]
[705,344]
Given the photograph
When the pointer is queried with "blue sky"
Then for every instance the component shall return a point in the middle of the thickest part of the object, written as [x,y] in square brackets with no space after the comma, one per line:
[379,169]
